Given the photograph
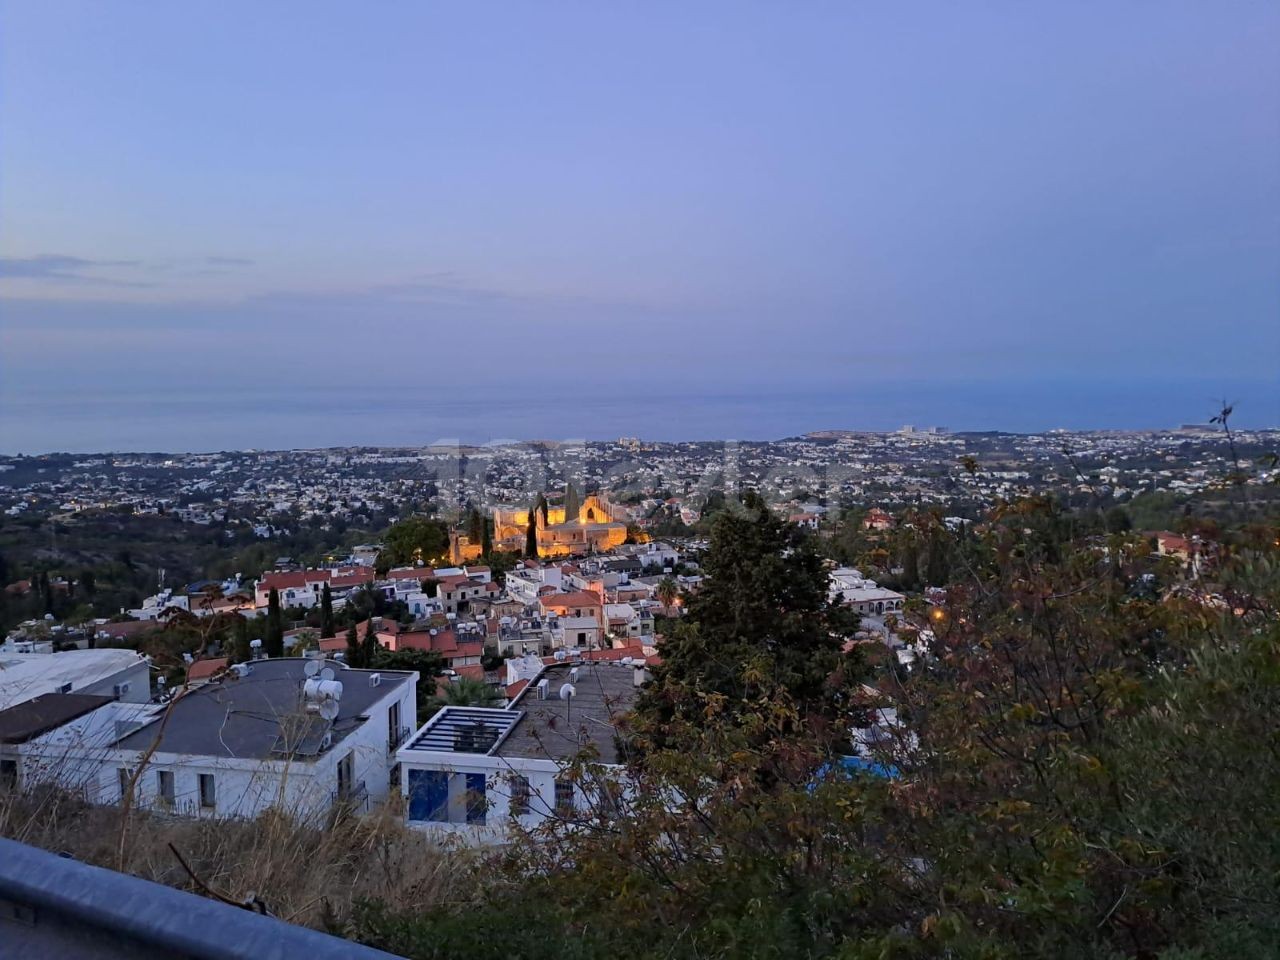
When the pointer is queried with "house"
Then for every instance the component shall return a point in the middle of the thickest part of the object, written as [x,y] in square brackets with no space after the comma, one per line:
[1189,551]
[877,519]
[270,733]
[581,603]
[474,772]
[121,674]
[847,585]
[807,520]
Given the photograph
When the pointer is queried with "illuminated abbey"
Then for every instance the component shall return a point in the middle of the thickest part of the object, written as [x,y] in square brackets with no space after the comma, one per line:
[595,527]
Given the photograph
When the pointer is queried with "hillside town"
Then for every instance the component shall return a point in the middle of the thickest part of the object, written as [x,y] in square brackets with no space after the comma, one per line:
[462,664]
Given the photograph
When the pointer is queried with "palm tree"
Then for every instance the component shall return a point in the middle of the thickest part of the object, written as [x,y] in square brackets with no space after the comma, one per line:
[467,692]
[668,591]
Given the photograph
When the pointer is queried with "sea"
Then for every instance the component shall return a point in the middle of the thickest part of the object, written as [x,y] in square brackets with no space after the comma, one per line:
[390,414]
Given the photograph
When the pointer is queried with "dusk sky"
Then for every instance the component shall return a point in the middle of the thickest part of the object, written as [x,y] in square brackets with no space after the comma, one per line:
[990,214]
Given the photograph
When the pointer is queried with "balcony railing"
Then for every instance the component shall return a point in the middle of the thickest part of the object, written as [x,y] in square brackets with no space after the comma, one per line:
[353,797]
[398,737]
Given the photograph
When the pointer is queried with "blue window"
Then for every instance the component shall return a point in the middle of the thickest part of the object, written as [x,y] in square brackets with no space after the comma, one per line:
[476,802]
[429,795]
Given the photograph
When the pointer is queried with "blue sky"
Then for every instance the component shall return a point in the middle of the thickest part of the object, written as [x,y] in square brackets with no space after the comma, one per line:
[663,198]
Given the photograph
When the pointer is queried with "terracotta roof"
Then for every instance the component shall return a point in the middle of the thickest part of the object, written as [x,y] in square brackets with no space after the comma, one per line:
[580,598]
[513,689]
[203,669]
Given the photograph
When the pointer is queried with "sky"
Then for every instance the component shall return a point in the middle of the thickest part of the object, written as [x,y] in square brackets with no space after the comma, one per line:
[248,218]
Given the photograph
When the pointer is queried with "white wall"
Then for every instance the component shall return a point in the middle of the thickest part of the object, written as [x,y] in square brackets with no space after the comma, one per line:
[243,787]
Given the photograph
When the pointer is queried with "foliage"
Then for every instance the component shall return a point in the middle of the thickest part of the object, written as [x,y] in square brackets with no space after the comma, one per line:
[326,612]
[466,692]
[274,642]
[531,537]
[426,664]
[415,540]
[1084,770]
[761,618]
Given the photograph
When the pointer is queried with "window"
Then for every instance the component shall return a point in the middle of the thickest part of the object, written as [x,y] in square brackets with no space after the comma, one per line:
[122,777]
[564,798]
[393,726]
[164,786]
[519,796]
[208,792]
[8,774]
[428,795]
[477,802]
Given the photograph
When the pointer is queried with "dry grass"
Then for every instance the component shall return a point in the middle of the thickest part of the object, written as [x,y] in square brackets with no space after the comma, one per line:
[308,875]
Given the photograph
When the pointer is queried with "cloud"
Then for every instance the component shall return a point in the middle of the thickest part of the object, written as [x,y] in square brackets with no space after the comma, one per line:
[228,261]
[63,268]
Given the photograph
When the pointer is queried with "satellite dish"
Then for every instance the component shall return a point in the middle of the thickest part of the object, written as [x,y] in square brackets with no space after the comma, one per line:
[567,691]
[312,668]
[327,673]
[329,709]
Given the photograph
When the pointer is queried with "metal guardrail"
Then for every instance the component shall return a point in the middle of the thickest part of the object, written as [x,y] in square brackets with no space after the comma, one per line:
[51,906]
[397,739]
[354,798]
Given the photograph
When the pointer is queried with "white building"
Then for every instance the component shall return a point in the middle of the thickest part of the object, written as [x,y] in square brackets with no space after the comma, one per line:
[121,674]
[266,736]
[475,771]
[862,594]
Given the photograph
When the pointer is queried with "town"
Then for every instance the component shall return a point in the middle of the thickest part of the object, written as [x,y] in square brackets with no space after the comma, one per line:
[461,658]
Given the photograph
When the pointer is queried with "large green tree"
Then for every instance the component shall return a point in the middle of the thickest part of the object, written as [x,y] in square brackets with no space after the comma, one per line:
[762,617]
[415,539]
[1083,771]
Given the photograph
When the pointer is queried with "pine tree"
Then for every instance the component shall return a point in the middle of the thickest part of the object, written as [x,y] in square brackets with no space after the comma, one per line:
[761,621]
[326,612]
[275,625]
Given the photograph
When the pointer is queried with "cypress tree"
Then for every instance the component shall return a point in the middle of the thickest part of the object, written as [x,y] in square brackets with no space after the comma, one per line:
[572,503]
[486,538]
[275,625]
[240,651]
[531,536]
[326,612]
[475,524]
[353,646]
[370,647]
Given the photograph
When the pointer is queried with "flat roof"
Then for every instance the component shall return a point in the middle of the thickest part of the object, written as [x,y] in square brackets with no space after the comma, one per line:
[474,730]
[556,729]
[263,715]
[28,720]
[27,675]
